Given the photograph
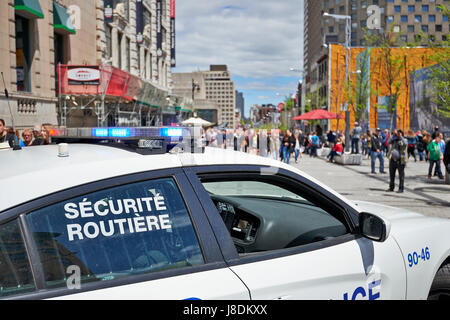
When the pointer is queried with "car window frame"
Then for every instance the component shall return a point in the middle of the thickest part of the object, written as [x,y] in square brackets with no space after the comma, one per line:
[209,247]
[226,243]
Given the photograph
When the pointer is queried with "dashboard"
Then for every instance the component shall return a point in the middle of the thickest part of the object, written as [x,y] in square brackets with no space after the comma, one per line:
[242,226]
[259,224]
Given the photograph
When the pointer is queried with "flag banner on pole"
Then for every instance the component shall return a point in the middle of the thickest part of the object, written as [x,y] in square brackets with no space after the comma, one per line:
[108,10]
[159,28]
[139,21]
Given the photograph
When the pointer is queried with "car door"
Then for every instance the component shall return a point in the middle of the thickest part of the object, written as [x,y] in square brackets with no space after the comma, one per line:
[288,238]
[142,236]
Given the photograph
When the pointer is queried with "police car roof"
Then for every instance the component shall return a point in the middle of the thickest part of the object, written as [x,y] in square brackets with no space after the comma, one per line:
[37,171]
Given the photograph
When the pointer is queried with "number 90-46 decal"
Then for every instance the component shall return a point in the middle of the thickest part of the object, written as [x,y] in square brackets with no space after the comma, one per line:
[421,255]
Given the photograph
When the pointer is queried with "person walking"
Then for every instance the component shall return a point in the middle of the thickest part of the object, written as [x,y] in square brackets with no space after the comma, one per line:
[308,143]
[364,150]
[297,146]
[369,144]
[420,147]
[356,136]
[376,152]
[397,160]
[287,146]
[412,143]
[315,143]
[385,141]
[434,157]
[442,145]
[426,141]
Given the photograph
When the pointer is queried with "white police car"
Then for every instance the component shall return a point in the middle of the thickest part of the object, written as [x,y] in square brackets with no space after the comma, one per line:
[111,221]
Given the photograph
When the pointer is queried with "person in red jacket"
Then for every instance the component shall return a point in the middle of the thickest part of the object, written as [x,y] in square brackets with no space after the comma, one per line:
[338,149]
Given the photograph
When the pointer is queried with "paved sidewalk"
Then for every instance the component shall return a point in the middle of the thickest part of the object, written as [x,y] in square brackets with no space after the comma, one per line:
[429,197]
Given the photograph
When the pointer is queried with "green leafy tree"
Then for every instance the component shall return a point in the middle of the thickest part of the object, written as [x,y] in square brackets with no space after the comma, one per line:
[290,103]
[440,73]
[392,66]
[359,91]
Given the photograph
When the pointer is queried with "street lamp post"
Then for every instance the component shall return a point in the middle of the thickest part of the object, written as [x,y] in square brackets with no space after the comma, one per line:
[195,87]
[348,34]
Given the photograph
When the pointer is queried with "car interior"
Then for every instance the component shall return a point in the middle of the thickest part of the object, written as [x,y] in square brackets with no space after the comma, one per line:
[262,217]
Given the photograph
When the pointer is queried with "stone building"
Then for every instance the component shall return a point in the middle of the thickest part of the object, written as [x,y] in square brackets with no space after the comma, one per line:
[220,88]
[45,40]
[193,86]
[34,37]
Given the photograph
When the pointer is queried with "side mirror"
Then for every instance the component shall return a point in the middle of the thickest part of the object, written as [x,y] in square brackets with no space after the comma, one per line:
[373,227]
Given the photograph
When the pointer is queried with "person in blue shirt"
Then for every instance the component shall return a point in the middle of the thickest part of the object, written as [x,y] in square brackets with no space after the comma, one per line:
[412,143]
[315,144]
[442,143]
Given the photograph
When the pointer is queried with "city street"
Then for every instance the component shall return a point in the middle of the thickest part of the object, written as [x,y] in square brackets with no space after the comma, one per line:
[429,197]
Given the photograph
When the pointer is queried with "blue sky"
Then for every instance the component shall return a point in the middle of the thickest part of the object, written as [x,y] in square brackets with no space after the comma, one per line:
[259,40]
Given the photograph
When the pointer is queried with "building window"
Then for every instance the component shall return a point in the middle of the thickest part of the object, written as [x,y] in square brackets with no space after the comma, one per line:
[119,49]
[23,62]
[108,32]
[127,54]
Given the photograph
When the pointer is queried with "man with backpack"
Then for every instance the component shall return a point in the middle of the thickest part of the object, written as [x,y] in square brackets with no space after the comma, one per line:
[397,160]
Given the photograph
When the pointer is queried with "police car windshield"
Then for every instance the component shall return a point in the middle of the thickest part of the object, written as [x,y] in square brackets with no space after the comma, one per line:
[250,188]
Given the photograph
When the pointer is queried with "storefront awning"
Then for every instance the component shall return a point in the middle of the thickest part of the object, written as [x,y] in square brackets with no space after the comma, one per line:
[29,8]
[61,20]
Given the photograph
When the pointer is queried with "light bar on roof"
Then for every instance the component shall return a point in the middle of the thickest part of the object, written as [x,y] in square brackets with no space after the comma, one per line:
[126,133]
[161,138]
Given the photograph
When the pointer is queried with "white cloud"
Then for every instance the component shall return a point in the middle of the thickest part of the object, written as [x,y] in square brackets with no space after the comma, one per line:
[255,38]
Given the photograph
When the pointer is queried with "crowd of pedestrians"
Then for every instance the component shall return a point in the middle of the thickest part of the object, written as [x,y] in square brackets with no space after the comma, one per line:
[380,146]
[289,145]
[286,146]
[395,147]
[398,148]
[38,135]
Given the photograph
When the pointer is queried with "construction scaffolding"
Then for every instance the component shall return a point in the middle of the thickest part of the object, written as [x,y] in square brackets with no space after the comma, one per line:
[107,96]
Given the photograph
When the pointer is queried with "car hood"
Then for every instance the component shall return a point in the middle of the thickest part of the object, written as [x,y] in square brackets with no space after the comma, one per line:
[387,212]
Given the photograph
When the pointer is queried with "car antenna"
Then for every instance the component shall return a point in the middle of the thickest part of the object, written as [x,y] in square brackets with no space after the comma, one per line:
[15,146]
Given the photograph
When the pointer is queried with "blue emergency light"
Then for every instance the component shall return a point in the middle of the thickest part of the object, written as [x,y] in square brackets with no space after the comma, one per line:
[145,140]
[171,132]
[111,132]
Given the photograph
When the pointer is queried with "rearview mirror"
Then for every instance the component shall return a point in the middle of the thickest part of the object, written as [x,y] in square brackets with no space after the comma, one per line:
[373,227]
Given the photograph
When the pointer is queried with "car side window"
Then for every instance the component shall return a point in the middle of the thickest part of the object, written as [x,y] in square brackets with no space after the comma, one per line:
[15,270]
[263,214]
[121,231]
